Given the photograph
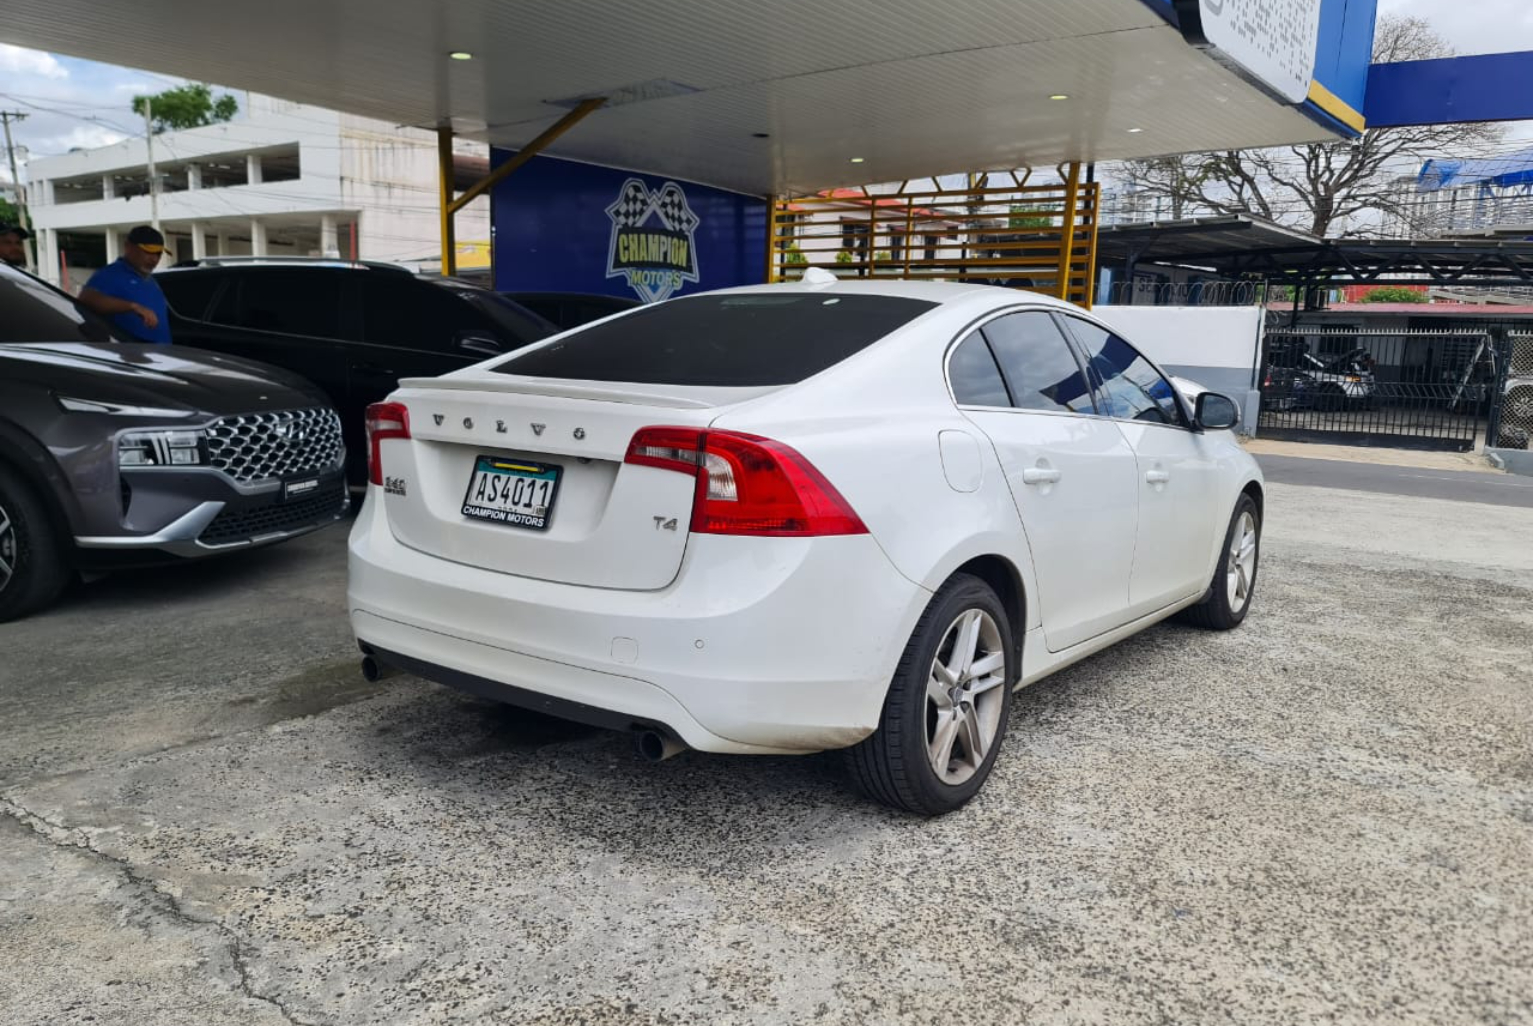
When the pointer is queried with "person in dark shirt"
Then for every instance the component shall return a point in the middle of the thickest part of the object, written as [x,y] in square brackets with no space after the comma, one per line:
[126,293]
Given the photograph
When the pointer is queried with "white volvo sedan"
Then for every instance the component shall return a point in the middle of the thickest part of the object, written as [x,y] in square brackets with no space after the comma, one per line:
[789,518]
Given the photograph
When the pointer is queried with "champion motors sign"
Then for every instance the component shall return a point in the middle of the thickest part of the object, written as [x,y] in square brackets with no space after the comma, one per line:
[654,243]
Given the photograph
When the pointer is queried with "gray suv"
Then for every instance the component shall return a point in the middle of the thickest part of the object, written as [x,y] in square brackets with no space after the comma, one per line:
[116,454]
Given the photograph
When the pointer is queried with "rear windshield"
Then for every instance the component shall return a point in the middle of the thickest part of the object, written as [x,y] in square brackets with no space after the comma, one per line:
[743,340]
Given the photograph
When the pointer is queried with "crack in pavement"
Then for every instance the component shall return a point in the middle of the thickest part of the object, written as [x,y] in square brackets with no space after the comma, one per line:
[78,840]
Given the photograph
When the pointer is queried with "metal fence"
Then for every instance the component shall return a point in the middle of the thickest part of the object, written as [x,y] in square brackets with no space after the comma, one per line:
[1409,389]
[1198,293]
[1511,415]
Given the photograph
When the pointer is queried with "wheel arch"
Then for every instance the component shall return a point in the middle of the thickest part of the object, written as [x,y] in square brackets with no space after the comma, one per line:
[23,454]
[1003,577]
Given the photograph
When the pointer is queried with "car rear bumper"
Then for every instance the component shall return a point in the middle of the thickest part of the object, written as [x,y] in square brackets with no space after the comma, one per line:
[759,645]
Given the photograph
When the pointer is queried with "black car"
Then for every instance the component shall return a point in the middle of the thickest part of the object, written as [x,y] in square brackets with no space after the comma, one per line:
[353,329]
[117,453]
[567,310]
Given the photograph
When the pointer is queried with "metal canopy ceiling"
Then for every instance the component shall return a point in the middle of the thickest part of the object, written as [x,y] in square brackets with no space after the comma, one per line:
[1238,245]
[913,88]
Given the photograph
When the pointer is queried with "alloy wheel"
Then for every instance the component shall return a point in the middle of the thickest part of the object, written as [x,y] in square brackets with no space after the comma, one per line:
[1240,568]
[8,547]
[965,697]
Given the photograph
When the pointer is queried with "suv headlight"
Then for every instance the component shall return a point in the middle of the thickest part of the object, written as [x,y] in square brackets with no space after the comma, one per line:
[161,449]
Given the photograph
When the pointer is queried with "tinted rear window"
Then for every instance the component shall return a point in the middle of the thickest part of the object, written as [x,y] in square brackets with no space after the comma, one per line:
[727,341]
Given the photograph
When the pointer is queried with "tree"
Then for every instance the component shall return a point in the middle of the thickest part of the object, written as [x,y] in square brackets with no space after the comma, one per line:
[8,212]
[1393,294]
[188,106]
[1328,189]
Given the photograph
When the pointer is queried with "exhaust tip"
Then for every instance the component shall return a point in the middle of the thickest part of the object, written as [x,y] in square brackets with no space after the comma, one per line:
[372,670]
[656,747]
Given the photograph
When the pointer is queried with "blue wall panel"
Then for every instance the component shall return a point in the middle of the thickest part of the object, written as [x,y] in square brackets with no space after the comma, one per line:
[1491,87]
[564,226]
[1346,48]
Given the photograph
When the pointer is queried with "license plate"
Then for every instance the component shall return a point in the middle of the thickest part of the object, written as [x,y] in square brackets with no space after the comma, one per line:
[298,489]
[518,493]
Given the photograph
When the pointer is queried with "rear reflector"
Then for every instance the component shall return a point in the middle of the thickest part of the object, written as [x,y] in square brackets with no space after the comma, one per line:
[747,484]
[384,421]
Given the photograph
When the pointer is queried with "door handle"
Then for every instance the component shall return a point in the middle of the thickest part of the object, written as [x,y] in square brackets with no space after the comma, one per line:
[1039,475]
[1157,476]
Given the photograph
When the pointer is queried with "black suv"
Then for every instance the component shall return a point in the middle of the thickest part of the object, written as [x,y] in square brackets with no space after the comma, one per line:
[354,329]
[118,453]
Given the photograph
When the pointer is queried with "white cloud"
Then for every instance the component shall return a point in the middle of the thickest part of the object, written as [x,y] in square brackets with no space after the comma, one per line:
[21,61]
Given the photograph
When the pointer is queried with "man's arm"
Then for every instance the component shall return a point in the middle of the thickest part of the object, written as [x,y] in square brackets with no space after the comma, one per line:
[101,303]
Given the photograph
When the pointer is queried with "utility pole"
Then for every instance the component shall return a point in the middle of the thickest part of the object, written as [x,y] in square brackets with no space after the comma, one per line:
[154,182]
[7,116]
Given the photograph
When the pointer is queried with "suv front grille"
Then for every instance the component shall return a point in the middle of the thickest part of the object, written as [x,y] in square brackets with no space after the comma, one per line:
[233,526]
[261,446]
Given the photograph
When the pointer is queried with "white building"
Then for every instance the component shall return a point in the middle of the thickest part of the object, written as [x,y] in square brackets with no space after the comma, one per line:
[282,179]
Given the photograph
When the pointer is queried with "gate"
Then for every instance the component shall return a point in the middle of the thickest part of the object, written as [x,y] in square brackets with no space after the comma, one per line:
[1511,415]
[1401,389]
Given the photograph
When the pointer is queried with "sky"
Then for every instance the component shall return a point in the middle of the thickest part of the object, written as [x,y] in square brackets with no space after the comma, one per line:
[72,103]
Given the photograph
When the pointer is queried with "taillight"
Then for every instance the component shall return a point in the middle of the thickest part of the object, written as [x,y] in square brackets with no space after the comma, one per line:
[384,420]
[747,484]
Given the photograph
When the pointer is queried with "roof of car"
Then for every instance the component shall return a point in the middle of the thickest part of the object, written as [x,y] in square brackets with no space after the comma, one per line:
[317,263]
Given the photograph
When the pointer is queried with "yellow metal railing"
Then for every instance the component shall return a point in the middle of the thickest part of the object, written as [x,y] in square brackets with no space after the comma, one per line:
[1005,229]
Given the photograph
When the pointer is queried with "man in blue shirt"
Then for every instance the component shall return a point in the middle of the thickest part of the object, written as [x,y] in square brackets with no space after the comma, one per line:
[126,294]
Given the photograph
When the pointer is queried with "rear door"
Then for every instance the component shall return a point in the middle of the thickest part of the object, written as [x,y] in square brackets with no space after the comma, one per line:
[1177,479]
[1071,473]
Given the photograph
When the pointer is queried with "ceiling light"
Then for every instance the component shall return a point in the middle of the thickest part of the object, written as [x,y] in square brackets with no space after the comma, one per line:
[461,55]
[1135,131]
[1059,96]
[858,160]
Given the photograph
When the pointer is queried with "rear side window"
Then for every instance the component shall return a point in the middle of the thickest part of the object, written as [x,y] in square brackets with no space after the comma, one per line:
[287,301]
[742,340]
[975,378]
[1038,363]
[189,293]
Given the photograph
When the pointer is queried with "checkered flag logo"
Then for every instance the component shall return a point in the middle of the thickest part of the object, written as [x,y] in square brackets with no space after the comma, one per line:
[652,244]
[674,210]
[633,205]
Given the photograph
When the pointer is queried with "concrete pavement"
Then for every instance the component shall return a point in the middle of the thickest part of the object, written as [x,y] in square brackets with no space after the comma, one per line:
[1322,816]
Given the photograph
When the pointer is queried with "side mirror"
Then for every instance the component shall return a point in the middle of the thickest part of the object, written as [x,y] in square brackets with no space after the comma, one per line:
[479,345]
[1215,412]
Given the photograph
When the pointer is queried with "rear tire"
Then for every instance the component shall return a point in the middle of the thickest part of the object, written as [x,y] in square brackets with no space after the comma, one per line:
[946,706]
[32,567]
[1234,583]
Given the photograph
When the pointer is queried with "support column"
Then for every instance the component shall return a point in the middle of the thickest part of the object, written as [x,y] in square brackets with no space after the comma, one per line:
[257,238]
[1067,232]
[445,173]
[329,246]
[223,242]
[193,176]
[108,187]
[253,169]
[48,256]
[199,241]
[113,245]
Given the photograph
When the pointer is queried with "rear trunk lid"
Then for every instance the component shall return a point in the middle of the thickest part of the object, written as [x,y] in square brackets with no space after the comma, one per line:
[526,476]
